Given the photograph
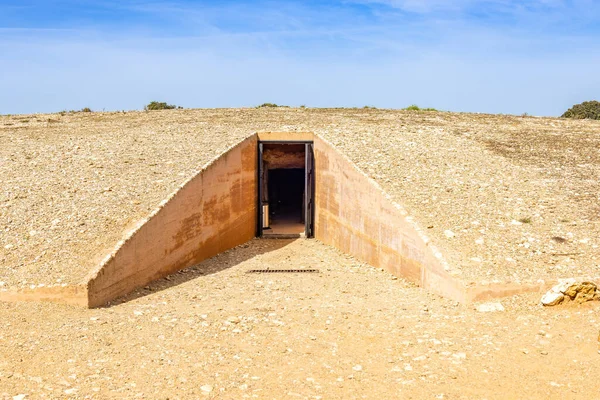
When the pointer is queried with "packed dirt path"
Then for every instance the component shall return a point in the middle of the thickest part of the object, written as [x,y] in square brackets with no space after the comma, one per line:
[348,331]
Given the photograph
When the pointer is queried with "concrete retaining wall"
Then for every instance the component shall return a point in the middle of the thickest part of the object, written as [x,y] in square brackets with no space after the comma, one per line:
[211,213]
[354,215]
[216,210]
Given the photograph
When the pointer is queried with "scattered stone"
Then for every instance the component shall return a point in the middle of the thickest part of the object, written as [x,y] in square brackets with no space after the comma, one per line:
[206,389]
[582,292]
[570,289]
[490,307]
[552,299]
[563,285]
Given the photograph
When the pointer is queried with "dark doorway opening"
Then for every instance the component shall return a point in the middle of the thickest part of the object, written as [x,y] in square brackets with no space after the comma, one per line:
[286,200]
[285,189]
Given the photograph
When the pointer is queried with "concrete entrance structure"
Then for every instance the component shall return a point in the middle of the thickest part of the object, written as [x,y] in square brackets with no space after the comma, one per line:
[218,209]
[286,187]
[356,216]
[212,212]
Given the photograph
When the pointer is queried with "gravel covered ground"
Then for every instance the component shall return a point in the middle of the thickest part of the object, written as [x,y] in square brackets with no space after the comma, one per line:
[347,332]
[506,198]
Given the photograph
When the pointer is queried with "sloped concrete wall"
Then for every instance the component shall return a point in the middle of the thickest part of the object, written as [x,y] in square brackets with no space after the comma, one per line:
[211,213]
[354,215]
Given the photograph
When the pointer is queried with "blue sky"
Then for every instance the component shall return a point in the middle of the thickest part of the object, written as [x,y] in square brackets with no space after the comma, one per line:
[498,56]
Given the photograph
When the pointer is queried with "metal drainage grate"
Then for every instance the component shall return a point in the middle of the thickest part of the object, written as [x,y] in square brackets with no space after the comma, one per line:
[275,271]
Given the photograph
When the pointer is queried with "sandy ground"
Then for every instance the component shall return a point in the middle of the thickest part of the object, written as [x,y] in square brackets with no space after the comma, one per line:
[349,331]
[506,198]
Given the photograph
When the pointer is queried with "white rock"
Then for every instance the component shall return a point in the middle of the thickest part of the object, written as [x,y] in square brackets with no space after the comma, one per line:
[357,367]
[19,397]
[552,298]
[563,285]
[206,388]
[479,241]
[449,234]
[490,307]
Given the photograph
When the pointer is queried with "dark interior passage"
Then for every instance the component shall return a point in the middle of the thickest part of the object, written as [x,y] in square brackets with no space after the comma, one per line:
[286,195]
[283,184]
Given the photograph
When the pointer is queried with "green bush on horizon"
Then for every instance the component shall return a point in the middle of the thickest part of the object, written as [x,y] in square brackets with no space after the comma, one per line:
[585,110]
[414,107]
[269,105]
[156,105]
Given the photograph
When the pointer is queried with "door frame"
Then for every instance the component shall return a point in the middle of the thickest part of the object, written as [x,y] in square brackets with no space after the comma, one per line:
[309,190]
[309,184]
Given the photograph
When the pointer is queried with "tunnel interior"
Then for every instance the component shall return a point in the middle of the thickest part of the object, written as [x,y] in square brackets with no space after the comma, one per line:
[284,188]
[286,194]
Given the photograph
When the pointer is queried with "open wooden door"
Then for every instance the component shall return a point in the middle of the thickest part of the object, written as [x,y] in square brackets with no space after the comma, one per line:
[309,187]
[261,194]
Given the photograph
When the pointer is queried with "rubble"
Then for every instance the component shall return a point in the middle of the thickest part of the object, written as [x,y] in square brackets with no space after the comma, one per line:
[490,307]
[571,290]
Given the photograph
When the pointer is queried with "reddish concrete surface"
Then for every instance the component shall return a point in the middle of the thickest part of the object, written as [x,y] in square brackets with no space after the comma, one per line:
[492,291]
[354,215]
[211,213]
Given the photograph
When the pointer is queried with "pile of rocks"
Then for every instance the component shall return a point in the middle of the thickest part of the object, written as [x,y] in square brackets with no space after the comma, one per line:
[571,290]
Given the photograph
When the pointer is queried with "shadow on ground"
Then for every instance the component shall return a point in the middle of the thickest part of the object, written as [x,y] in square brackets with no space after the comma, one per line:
[216,264]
